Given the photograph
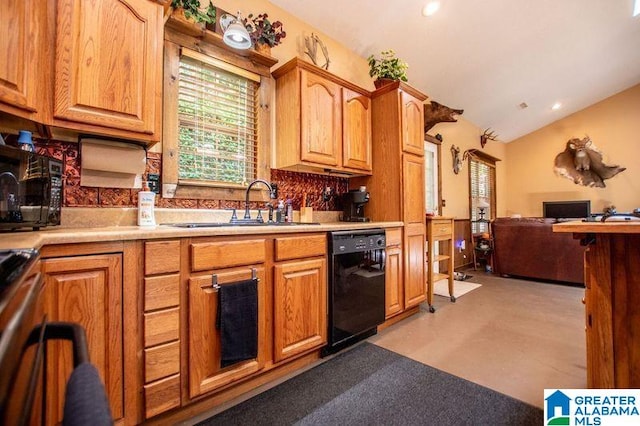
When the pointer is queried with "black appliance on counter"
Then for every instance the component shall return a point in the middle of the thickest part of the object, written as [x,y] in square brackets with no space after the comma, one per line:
[353,203]
[30,189]
[356,286]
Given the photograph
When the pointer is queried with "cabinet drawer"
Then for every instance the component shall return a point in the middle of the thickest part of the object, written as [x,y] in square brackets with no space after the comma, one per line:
[162,395]
[161,292]
[161,361]
[300,247]
[161,257]
[226,254]
[394,237]
[441,228]
[161,327]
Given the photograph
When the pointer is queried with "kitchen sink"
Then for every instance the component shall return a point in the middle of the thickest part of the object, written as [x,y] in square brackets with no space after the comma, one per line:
[243,224]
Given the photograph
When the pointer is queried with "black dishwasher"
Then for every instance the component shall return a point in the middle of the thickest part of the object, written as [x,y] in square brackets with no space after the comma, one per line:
[356,286]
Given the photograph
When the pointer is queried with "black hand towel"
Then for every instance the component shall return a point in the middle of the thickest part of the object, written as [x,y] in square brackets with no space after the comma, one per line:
[238,321]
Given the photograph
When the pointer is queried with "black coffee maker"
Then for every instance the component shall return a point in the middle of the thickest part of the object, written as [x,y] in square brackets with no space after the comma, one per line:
[353,205]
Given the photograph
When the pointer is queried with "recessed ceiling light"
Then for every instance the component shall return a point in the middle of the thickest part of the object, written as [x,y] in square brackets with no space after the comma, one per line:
[556,106]
[431,8]
[636,8]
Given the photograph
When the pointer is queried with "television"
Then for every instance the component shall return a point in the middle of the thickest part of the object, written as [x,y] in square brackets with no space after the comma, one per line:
[566,209]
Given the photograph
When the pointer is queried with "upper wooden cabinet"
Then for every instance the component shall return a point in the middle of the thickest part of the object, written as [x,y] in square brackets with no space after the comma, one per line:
[412,123]
[108,66]
[103,74]
[22,31]
[322,121]
[356,130]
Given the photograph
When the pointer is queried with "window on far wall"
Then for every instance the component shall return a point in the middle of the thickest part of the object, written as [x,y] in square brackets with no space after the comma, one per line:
[482,190]
[217,120]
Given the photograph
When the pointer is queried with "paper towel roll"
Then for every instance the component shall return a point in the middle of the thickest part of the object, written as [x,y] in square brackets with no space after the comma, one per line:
[109,164]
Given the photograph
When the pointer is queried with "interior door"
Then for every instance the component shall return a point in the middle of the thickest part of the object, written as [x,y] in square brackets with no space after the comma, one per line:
[431,199]
[431,177]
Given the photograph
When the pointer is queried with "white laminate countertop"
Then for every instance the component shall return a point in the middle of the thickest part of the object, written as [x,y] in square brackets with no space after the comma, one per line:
[48,236]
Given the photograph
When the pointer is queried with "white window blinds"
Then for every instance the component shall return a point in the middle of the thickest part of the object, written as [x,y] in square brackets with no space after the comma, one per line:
[217,119]
[482,184]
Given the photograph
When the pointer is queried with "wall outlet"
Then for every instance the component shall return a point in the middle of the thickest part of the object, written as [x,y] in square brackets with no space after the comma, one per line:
[153,180]
[463,245]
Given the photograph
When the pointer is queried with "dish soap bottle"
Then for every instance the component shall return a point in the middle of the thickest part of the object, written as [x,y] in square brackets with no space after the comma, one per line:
[146,202]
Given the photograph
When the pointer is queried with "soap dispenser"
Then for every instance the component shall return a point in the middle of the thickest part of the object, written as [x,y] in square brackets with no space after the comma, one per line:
[146,203]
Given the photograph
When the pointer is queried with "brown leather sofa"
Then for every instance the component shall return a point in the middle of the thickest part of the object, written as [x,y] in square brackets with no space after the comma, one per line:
[528,247]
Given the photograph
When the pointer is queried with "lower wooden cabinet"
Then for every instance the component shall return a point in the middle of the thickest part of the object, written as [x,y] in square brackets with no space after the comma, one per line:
[86,290]
[415,289]
[205,373]
[394,291]
[300,307]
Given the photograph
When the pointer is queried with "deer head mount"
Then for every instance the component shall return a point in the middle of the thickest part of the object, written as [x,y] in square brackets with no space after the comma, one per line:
[487,136]
[435,113]
[582,163]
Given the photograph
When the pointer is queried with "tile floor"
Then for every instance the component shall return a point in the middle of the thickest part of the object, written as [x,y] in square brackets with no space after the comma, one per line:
[517,337]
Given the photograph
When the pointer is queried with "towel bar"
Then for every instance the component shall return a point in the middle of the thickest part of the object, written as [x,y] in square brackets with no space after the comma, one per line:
[216,286]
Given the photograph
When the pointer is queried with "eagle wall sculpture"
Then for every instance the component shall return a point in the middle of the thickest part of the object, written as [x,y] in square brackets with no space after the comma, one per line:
[582,163]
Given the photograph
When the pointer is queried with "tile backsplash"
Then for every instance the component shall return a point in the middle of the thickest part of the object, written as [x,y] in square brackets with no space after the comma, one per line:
[291,185]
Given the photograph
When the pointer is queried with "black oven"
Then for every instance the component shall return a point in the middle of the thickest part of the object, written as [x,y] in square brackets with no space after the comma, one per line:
[21,331]
[356,286]
[30,189]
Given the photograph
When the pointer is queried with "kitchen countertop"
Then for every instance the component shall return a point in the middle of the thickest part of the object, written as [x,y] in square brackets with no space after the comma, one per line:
[38,239]
[631,227]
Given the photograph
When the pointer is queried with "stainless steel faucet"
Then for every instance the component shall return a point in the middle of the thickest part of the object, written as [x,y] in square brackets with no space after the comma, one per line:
[273,194]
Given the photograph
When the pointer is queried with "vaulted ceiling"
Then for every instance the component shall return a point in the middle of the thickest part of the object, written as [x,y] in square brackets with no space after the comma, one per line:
[488,57]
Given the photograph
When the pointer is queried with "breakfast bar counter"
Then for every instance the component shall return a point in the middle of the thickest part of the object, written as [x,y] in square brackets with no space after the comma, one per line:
[612,301]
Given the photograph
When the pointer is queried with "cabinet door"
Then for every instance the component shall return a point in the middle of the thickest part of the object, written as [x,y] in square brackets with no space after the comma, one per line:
[356,130]
[413,189]
[300,307]
[86,290]
[21,23]
[412,124]
[394,292]
[415,289]
[109,63]
[205,373]
[320,120]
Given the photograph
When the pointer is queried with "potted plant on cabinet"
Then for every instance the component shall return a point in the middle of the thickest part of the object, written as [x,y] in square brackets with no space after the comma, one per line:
[387,68]
[193,12]
[264,33]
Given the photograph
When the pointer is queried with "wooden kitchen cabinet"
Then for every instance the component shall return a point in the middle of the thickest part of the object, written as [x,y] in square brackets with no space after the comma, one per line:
[356,131]
[300,307]
[230,261]
[161,326]
[86,290]
[205,373]
[412,123]
[299,295]
[23,25]
[394,289]
[108,67]
[397,183]
[322,121]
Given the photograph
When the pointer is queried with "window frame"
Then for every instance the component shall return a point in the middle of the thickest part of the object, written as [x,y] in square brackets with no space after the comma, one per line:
[491,162]
[175,40]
